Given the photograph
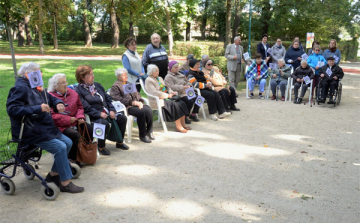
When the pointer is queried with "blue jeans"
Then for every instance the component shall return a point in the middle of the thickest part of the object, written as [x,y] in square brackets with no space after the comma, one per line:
[252,82]
[60,148]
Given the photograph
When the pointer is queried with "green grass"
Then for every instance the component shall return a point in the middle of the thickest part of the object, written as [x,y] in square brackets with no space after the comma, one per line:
[69,48]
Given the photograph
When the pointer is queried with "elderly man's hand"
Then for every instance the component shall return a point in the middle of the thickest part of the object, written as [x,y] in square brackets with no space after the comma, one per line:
[281,72]
[335,77]
[45,108]
[274,76]
[322,75]
[112,115]
[298,79]
[60,107]
[257,78]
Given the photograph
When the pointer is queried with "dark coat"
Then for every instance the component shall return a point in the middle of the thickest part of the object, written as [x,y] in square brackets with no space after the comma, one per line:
[261,50]
[302,72]
[72,105]
[93,105]
[117,93]
[336,71]
[293,54]
[26,101]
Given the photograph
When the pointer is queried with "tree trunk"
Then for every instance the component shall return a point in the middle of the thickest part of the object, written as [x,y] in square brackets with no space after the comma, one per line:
[21,36]
[88,39]
[228,23]
[10,40]
[114,27]
[235,30]
[102,31]
[266,15]
[56,46]
[29,41]
[204,20]
[169,30]
[36,33]
[131,27]
[41,44]
[188,28]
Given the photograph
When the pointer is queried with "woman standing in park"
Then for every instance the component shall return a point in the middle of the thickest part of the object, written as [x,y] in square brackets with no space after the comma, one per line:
[278,51]
[293,55]
[332,51]
[263,47]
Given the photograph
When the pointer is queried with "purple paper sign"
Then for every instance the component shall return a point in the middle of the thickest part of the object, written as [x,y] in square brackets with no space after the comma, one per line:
[99,131]
[190,93]
[199,101]
[272,66]
[129,88]
[304,56]
[328,71]
[35,79]
[270,51]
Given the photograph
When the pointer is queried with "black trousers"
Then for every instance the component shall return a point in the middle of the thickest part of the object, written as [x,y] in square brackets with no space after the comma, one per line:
[303,90]
[214,101]
[228,97]
[121,121]
[190,104]
[74,135]
[144,118]
[325,84]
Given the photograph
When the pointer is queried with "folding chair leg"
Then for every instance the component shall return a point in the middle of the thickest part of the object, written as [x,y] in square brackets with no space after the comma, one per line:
[203,111]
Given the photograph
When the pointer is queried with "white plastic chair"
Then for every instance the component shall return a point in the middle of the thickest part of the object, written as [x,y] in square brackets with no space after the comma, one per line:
[247,86]
[308,89]
[278,86]
[159,109]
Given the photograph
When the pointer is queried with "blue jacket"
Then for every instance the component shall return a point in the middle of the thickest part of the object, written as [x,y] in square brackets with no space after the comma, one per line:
[26,101]
[293,54]
[328,53]
[313,60]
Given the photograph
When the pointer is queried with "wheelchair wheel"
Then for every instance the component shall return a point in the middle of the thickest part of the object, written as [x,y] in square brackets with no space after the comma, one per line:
[50,194]
[8,186]
[28,174]
[339,95]
[75,169]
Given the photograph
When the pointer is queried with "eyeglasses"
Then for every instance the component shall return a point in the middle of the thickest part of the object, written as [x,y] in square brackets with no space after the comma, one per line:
[209,64]
[316,50]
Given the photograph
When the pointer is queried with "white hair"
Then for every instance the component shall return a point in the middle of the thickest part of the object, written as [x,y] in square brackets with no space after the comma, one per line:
[303,61]
[154,35]
[54,81]
[236,37]
[120,71]
[281,60]
[203,57]
[151,68]
[28,68]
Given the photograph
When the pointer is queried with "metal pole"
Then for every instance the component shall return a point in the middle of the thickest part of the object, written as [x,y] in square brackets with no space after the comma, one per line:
[249,37]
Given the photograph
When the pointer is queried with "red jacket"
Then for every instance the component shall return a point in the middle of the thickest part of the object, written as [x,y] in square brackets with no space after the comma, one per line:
[72,105]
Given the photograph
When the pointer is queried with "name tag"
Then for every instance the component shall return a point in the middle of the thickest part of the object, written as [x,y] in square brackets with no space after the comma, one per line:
[35,79]
[99,131]
[199,101]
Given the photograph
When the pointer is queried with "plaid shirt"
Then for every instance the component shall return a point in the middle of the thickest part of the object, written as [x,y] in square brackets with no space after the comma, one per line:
[252,73]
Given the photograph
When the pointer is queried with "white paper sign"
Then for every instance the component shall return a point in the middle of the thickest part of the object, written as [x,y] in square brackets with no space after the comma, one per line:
[272,66]
[304,56]
[99,131]
[190,93]
[307,80]
[199,101]
[336,58]
[328,71]
[129,88]
[246,56]
[118,106]
[270,51]
[320,64]
[35,79]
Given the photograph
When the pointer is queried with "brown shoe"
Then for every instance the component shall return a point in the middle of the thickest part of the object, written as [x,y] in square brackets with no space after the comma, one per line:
[187,127]
[180,130]
[273,97]
[282,98]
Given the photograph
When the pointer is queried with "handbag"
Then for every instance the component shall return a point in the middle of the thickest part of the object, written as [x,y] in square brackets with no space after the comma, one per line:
[175,98]
[114,132]
[87,150]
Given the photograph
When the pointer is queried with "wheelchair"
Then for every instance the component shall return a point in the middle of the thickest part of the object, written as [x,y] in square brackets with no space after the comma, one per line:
[16,156]
[337,93]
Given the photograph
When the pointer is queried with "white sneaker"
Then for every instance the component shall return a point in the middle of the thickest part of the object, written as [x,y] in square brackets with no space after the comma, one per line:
[261,97]
[223,115]
[213,117]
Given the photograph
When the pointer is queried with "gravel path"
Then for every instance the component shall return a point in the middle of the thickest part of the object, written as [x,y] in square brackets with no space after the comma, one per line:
[270,162]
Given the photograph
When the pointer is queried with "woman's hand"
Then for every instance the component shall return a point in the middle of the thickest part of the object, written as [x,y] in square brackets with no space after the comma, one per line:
[298,80]
[140,105]
[299,58]
[81,121]
[60,107]
[186,86]
[208,85]
[317,67]
[274,76]
[103,115]
[112,115]
[72,119]
[258,78]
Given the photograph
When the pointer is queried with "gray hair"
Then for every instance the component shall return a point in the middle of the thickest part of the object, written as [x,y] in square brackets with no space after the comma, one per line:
[203,57]
[120,71]
[236,37]
[54,81]
[28,68]
[151,69]
[281,60]
[303,61]
[154,35]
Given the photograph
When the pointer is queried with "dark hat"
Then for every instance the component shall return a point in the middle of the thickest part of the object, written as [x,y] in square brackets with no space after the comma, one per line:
[193,62]
[330,58]
[190,57]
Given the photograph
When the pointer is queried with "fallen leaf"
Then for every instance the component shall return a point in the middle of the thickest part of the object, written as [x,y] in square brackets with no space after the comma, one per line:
[303,152]
[265,145]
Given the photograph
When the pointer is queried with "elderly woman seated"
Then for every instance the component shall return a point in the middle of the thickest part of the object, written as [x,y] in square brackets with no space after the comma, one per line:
[279,76]
[177,82]
[33,105]
[257,74]
[228,95]
[198,80]
[72,117]
[172,110]
[98,105]
[298,76]
[134,105]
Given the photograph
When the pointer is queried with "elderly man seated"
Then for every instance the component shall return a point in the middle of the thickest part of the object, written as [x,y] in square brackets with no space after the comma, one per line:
[303,71]
[32,106]
[257,74]
[279,76]
[330,74]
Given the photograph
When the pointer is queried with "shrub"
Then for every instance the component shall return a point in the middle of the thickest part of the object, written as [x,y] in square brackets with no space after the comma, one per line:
[348,49]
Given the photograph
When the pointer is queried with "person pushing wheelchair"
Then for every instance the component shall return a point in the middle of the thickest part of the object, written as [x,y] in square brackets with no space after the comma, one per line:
[330,75]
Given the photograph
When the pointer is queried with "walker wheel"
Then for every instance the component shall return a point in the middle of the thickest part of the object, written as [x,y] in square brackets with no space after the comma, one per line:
[50,194]
[28,174]
[8,186]
[75,170]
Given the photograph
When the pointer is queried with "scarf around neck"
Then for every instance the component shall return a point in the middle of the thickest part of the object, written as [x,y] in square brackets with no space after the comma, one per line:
[91,88]
[332,49]
[163,88]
